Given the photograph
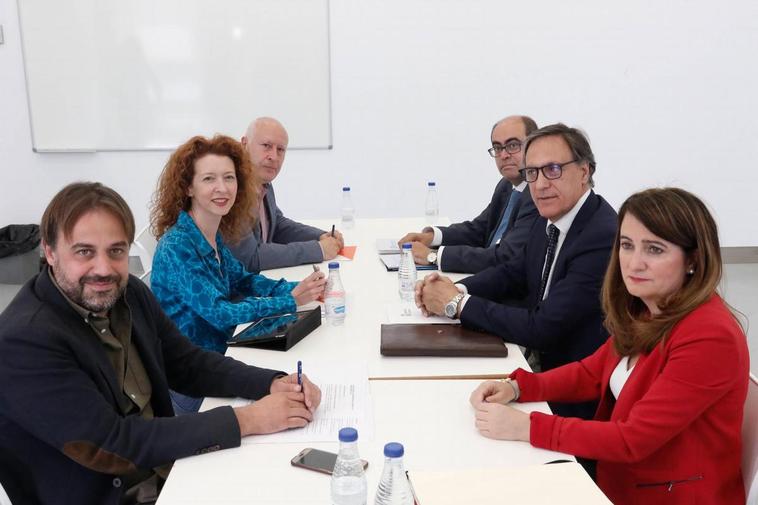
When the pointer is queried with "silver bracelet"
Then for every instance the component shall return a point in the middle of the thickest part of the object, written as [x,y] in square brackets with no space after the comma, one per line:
[514,385]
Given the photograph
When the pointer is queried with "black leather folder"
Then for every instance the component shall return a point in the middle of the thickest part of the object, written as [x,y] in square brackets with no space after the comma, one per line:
[447,340]
[278,333]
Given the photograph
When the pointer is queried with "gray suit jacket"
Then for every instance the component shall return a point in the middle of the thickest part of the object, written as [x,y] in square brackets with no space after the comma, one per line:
[289,243]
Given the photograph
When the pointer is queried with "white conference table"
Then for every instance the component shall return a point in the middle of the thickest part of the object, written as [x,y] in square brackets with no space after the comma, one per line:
[432,418]
[369,289]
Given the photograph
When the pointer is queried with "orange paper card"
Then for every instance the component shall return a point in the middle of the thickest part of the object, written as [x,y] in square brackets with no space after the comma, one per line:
[348,251]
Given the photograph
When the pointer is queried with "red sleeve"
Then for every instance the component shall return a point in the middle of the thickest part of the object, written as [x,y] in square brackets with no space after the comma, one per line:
[699,370]
[580,381]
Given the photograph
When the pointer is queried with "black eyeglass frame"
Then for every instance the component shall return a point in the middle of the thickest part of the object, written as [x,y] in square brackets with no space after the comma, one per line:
[511,147]
[537,170]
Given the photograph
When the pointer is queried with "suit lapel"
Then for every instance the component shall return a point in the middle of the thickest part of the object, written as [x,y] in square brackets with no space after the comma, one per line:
[536,251]
[270,202]
[84,341]
[151,357]
[581,220]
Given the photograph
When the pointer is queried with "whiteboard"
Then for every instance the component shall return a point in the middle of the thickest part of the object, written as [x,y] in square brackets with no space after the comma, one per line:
[147,75]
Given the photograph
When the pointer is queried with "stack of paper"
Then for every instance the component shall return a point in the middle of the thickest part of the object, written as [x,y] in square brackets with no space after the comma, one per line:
[564,483]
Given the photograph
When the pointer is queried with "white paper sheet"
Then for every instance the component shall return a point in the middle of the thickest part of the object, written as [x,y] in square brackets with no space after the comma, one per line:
[387,246]
[345,401]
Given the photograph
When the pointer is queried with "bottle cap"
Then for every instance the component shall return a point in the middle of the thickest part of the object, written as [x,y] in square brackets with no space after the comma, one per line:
[407,245]
[393,450]
[345,188]
[334,265]
[348,435]
[431,184]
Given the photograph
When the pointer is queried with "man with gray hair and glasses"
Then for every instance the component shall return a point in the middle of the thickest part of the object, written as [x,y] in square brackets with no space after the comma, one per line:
[501,228]
[556,278]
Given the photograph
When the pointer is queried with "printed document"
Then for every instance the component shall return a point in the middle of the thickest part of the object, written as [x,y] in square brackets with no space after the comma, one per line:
[345,401]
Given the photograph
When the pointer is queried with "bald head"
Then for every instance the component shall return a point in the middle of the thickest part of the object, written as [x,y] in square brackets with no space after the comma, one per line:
[529,124]
[266,142]
[507,135]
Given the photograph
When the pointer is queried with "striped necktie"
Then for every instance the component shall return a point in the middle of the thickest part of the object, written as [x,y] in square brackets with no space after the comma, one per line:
[552,241]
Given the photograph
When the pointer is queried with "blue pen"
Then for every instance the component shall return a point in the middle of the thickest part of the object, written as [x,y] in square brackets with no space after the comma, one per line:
[300,372]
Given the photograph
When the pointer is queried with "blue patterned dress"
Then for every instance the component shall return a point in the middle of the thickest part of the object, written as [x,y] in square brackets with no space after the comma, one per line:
[207,299]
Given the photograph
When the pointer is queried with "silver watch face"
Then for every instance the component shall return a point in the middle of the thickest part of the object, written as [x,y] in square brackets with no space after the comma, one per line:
[450,309]
[431,257]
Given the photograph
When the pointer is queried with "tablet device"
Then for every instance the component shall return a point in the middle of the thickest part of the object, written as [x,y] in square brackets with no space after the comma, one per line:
[278,332]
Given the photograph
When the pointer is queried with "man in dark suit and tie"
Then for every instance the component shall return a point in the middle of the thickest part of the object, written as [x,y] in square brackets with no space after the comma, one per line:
[500,229]
[557,275]
[277,241]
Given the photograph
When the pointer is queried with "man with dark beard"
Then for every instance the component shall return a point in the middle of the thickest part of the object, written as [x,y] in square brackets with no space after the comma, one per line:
[86,360]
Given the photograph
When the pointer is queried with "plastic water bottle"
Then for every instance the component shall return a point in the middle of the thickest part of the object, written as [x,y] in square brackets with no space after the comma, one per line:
[348,478]
[348,209]
[334,298]
[394,488]
[432,203]
[406,274]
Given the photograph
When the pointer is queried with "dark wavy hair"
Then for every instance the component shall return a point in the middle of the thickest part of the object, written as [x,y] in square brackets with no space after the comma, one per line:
[171,194]
[681,218]
[77,199]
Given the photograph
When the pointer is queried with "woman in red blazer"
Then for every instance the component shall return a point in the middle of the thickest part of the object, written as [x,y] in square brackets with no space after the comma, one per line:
[671,380]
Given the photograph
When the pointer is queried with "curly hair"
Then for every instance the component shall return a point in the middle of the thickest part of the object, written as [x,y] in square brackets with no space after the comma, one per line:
[171,194]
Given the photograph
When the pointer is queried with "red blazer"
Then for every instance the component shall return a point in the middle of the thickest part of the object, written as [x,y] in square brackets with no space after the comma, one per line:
[673,435]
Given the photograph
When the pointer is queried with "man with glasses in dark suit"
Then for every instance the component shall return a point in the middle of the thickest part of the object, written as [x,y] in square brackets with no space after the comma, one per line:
[556,277]
[501,228]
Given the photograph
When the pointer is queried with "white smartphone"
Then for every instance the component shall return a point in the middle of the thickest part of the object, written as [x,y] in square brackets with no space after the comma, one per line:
[318,460]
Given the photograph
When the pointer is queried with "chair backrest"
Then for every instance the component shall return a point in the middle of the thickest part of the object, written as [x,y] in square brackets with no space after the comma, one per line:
[4,500]
[144,248]
[146,277]
[146,241]
[750,442]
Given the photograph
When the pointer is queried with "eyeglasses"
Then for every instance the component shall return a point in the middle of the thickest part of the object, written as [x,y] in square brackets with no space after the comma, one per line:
[550,171]
[511,147]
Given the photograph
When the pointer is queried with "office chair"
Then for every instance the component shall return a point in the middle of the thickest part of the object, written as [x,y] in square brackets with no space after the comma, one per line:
[144,246]
[750,443]
[4,500]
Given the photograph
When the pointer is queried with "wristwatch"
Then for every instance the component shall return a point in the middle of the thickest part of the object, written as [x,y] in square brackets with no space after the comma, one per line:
[451,308]
[432,257]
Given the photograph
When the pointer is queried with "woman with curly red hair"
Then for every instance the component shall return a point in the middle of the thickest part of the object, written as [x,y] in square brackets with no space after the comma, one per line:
[205,197]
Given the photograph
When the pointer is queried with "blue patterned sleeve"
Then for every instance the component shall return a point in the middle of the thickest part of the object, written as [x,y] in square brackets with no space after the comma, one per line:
[188,281]
[247,284]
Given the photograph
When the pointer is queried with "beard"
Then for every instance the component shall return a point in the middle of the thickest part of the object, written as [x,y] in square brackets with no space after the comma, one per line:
[94,301]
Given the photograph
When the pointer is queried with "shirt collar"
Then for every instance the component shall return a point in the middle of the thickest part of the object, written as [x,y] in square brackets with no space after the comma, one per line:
[188,226]
[564,222]
[520,188]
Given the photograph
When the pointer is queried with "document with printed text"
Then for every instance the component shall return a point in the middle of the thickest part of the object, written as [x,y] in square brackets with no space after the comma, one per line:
[345,401]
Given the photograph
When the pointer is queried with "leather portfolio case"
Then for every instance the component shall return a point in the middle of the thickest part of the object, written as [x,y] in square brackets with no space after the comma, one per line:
[439,340]
[278,333]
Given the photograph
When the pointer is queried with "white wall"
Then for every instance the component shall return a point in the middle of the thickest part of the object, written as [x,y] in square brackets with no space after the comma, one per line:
[665,90]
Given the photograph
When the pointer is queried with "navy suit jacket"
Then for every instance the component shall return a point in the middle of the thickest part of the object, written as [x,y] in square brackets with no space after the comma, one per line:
[61,430]
[289,243]
[467,243]
[568,324]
